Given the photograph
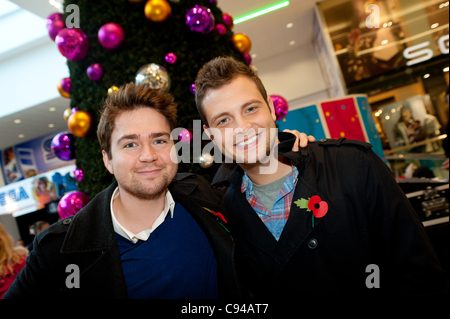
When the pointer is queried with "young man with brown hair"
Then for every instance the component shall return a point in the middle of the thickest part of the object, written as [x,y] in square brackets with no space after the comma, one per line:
[151,234]
[329,221]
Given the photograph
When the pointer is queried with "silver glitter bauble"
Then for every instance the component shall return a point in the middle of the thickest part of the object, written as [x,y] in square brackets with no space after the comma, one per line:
[154,75]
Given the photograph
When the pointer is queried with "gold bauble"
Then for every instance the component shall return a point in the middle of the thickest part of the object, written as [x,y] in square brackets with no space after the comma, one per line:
[157,10]
[242,43]
[113,89]
[79,123]
[67,113]
[62,92]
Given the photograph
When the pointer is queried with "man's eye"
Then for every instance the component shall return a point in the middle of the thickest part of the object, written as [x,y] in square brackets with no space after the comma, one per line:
[130,145]
[223,121]
[160,141]
[251,109]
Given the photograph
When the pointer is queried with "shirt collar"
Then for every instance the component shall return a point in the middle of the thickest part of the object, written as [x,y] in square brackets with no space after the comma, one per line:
[248,185]
[169,205]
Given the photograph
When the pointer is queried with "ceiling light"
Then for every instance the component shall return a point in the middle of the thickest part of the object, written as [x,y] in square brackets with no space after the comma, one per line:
[52,109]
[17,121]
[434,25]
[289,25]
[51,125]
[21,136]
[292,42]
[261,12]
[254,55]
[426,76]
[384,42]
[445,69]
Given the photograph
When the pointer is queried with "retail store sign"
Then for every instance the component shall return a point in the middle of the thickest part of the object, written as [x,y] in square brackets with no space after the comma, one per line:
[421,52]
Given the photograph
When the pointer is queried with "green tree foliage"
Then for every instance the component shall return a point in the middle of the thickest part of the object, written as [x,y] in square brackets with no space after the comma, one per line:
[146,42]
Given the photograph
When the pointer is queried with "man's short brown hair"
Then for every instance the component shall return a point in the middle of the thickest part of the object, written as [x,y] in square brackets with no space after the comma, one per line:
[219,72]
[128,98]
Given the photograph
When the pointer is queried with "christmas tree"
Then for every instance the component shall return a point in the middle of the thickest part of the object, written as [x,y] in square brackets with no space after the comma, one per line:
[151,30]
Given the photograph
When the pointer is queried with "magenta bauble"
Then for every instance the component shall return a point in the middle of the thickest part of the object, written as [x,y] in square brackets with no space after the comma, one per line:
[94,72]
[111,36]
[71,203]
[280,105]
[72,43]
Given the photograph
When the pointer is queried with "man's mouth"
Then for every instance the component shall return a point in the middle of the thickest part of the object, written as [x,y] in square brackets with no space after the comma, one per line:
[248,141]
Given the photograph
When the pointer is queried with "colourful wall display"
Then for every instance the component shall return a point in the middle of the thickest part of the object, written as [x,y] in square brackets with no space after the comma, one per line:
[349,117]
[29,159]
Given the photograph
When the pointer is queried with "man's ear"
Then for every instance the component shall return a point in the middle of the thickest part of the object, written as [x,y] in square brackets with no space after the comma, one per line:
[208,132]
[272,108]
[107,162]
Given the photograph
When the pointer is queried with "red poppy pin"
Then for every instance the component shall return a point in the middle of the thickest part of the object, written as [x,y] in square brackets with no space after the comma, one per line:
[315,204]
[219,218]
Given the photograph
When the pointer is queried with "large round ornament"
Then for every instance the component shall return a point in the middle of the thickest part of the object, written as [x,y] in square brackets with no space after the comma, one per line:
[64,86]
[220,29]
[94,72]
[63,146]
[72,43]
[200,19]
[71,203]
[280,105]
[242,43]
[155,76]
[185,136]
[55,23]
[157,10]
[80,123]
[111,36]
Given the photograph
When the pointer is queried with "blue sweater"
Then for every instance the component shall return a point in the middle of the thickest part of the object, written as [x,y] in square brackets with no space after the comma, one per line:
[176,262]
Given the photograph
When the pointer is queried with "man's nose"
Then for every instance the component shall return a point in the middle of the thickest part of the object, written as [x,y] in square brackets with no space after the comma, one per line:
[148,154]
[243,125]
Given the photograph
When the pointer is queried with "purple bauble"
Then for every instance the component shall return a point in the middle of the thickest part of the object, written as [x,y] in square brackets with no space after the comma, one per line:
[66,85]
[111,36]
[78,173]
[94,72]
[71,203]
[74,110]
[280,105]
[192,88]
[54,27]
[63,146]
[171,58]
[220,29]
[72,43]
[248,58]
[200,19]
[185,136]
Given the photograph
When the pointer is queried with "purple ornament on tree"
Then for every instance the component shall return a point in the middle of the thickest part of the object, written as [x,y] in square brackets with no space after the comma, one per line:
[53,28]
[63,146]
[111,36]
[94,72]
[192,88]
[200,19]
[74,110]
[280,105]
[228,20]
[220,29]
[185,136]
[71,203]
[248,58]
[171,58]
[78,173]
[66,85]
[72,43]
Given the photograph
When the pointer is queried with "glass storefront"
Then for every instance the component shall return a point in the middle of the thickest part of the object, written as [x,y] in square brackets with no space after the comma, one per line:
[396,52]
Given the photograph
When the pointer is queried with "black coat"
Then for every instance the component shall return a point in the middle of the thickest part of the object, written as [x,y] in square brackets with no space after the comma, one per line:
[87,240]
[369,221]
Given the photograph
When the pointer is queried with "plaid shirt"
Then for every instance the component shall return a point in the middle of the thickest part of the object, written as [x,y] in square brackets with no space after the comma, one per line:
[279,214]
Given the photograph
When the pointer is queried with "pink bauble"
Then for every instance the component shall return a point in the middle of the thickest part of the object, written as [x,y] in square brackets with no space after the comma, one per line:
[71,203]
[171,58]
[281,106]
[220,29]
[111,36]
[185,136]
[228,20]
[54,27]
[78,173]
[72,43]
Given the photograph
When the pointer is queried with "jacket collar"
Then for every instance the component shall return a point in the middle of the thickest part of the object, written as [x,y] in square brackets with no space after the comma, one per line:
[232,172]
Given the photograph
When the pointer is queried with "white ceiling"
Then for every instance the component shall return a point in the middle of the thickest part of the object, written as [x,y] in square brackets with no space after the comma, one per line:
[268,33]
